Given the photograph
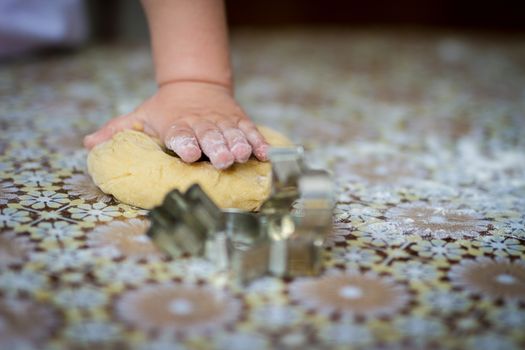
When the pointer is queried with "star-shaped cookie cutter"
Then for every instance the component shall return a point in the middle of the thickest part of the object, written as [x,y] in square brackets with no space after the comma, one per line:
[284,238]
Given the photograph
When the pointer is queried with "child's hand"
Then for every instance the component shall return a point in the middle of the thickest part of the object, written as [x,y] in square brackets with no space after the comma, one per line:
[190,118]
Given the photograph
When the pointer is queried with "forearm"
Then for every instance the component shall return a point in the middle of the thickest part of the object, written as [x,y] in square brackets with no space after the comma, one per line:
[189,40]
[193,112]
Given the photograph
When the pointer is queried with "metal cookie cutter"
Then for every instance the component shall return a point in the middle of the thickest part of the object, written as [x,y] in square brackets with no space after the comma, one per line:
[297,236]
[242,247]
[183,222]
[279,239]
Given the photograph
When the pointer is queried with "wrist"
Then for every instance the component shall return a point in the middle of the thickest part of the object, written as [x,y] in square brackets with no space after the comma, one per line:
[199,83]
[219,77]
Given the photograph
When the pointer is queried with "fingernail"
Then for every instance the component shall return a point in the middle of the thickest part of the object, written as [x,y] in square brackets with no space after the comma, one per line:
[88,140]
[242,152]
[262,152]
[192,153]
[222,160]
[185,147]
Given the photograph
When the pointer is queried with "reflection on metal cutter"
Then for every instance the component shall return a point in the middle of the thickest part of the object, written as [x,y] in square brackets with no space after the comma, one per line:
[276,240]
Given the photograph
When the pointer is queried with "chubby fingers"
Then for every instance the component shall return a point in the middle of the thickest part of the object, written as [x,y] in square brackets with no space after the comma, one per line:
[258,143]
[181,139]
[236,141]
[213,144]
[224,142]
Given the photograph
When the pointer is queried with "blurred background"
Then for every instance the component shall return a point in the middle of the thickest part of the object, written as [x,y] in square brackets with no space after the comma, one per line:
[124,19]
[29,24]
[417,107]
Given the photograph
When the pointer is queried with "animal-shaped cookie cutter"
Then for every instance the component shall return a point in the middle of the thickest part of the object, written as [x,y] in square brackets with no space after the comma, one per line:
[284,238]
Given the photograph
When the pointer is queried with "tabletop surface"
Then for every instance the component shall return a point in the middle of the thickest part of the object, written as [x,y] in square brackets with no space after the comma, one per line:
[425,136]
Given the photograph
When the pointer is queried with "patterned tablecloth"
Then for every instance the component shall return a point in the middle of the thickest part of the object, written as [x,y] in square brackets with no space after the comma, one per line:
[425,134]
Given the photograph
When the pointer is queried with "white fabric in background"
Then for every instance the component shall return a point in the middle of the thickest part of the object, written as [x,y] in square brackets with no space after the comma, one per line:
[31,24]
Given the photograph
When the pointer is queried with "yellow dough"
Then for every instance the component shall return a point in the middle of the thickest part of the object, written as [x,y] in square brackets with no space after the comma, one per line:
[136,170]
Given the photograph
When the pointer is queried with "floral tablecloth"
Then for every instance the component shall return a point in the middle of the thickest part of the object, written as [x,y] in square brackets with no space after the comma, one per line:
[425,136]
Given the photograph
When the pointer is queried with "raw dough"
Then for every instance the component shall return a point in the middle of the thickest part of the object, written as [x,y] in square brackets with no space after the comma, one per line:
[136,170]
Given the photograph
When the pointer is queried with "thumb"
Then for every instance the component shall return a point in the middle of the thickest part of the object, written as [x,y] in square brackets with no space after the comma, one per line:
[106,132]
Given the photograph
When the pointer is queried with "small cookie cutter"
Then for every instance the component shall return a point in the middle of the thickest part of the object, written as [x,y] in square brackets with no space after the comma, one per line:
[279,239]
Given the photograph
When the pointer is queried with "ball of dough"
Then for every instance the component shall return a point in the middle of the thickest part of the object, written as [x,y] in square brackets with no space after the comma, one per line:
[136,169]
